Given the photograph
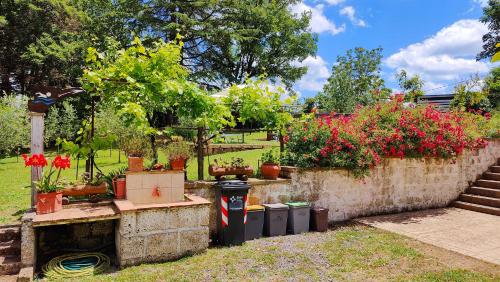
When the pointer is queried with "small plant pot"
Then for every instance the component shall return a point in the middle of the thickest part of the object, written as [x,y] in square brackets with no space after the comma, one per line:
[270,171]
[119,188]
[48,202]
[135,164]
[177,164]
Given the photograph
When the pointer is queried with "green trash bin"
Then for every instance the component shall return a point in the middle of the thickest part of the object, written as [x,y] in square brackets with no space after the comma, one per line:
[298,217]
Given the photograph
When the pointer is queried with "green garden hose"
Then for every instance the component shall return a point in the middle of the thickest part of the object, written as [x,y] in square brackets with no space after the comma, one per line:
[76,265]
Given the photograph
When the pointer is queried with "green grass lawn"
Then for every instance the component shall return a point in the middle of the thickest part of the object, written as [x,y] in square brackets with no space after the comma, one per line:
[15,178]
[349,253]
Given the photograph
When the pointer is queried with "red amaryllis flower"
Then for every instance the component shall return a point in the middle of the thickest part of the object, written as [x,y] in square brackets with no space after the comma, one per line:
[36,160]
[61,162]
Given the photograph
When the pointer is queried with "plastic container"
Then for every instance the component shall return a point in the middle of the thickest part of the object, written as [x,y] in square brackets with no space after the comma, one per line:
[275,219]
[319,219]
[298,217]
[231,197]
[255,222]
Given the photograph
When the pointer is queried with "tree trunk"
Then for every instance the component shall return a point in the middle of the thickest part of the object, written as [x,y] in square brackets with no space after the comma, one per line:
[201,160]
[153,148]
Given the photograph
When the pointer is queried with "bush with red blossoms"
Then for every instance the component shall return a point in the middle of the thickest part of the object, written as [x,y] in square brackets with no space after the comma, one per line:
[359,141]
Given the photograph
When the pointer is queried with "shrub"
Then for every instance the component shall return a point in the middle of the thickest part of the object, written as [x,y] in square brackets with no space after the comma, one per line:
[358,141]
[14,124]
[178,150]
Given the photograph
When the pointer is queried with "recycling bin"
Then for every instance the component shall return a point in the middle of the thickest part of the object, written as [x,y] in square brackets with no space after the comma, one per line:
[298,217]
[319,219]
[275,219]
[232,201]
[255,222]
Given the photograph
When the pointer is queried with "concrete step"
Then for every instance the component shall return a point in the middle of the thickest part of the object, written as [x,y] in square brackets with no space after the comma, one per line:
[491,176]
[487,192]
[488,183]
[12,247]
[10,233]
[495,169]
[480,200]
[476,208]
[10,265]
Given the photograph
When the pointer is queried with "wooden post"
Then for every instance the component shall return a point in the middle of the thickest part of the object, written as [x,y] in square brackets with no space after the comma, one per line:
[282,142]
[201,161]
[37,128]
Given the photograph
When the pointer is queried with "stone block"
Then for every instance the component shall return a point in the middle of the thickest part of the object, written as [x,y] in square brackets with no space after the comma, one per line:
[165,180]
[127,223]
[162,246]
[193,241]
[152,220]
[129,247]
[25,274]
[183,217]
[204,216]
[28,241]
[177,194]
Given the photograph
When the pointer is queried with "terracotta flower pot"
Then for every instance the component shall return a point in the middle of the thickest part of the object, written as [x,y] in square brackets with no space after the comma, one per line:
[177,164]
[135,164]
[48,202]
[270,171]
[119,187]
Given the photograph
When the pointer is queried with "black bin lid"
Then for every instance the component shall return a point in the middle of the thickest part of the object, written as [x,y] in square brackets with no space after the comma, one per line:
[232,184]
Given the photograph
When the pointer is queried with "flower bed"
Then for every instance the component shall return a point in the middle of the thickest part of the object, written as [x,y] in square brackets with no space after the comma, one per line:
[358,141]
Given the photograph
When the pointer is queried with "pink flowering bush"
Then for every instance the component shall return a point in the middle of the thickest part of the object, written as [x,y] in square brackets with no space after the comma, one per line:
[359,141]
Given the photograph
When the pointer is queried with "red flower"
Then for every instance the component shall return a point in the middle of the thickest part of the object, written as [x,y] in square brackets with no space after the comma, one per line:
[36,160]
[61,162]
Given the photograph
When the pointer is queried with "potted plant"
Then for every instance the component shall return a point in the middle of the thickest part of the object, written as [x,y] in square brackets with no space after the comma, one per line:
[136,147]
[270,167]
[89,186]
[117,180]
[49,194]
[178,153]
[237,167]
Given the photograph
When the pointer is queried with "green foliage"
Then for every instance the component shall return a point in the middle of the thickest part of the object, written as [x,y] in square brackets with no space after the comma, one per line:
[355,80]
[468,96]
[84,146]
[492,87]
[136,145]
[42,38]
[61,122]
[257,101]
[411,86]
[491,17]
[178,150]
[270,157]
[14,124]
[139,81]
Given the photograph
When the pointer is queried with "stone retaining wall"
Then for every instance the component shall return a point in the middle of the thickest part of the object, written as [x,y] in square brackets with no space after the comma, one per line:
[393,186]
[161,232]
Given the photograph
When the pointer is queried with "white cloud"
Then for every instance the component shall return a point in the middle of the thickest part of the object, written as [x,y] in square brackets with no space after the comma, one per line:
[446,56]
[319,22]
[334,2]
[350,13]
[317,73]
[482,3]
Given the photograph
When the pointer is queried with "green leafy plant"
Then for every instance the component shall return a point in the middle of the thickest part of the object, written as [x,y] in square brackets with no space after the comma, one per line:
[270,158]
[136,145]
[238,162]
[178,150]
[97,180]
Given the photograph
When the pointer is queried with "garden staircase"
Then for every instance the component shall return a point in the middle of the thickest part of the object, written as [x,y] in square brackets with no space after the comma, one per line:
[484,195]
[10,252]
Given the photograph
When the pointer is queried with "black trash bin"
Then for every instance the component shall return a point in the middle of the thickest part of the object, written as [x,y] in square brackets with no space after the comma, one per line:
[255,222]
[231,198]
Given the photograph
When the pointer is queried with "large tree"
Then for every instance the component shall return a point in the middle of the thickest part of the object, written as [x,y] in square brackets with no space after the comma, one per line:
[39,42]
[355,80]
[227,40]
[491,17]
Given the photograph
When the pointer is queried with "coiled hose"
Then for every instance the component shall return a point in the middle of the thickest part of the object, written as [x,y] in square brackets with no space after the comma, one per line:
[76,265]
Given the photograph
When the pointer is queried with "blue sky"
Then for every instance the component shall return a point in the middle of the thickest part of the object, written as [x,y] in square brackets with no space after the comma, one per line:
[437,39]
